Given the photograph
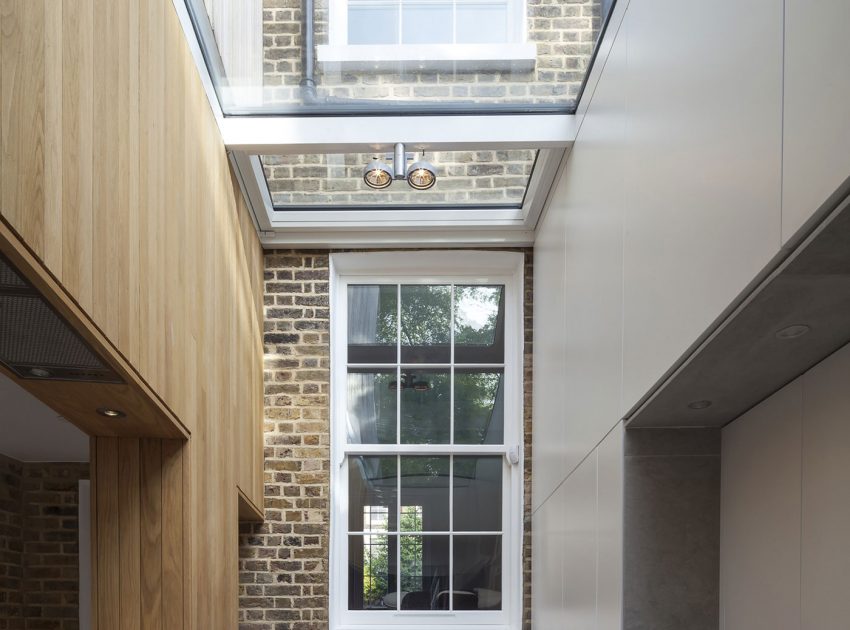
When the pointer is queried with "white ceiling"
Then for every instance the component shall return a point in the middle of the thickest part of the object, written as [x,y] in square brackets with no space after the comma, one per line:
[30,431]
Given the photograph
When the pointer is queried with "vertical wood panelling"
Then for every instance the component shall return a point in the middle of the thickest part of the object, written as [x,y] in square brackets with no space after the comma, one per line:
[129,488]
[172,535]
[140,542]
[108,528]
[115,176]
[78,137]
[53,133]
[93,448]
[151,527]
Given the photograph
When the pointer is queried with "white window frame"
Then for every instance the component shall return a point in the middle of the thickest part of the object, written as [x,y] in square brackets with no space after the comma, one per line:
[516,53]
[429,267]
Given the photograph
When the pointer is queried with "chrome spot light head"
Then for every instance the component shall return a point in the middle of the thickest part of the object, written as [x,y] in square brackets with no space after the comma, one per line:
[377,175]
[421,175]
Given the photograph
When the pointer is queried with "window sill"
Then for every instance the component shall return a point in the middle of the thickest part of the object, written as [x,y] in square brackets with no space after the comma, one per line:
[455,57]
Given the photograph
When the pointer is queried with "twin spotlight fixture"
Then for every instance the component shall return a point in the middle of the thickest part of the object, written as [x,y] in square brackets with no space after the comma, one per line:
[420,175]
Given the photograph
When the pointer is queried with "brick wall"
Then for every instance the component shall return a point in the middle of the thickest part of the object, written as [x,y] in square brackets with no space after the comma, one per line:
[11,544]
[284,561]
[39,579]
[463,177]
[564,32]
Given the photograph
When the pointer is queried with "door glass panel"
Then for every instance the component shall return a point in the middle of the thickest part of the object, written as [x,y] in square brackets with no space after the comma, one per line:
[424,494]
[477,573]
[372,323]
[425,406]
[372,493]
[424,572]
[479,324]
[425,320]
[372,574]
[479,406]
[478,494]
[372,407]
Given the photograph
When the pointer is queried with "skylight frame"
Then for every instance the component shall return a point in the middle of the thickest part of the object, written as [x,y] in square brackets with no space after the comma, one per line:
[244,136]
[198,21]
[271,220]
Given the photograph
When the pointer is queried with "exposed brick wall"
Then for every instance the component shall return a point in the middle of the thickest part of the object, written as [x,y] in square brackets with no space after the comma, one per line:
[284,561]
[463,177]
[43,592]
[284,565]
[11,544]
[564,32]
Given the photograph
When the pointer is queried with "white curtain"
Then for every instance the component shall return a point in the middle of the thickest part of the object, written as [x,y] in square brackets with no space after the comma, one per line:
[362,329]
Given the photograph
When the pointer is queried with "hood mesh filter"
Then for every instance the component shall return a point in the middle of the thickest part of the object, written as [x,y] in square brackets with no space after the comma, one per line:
[36,343]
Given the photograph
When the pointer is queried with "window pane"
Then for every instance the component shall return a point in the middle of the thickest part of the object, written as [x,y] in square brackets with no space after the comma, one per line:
[372,408]
[482,23]
[478,494]
[424,494]
[372,323]
[372,574]
[426,23]
[479,324]
[372,23]
[425,407]
[425,320]
[477,572]
[372,493]
[334,181]
[424,572]
[479,407]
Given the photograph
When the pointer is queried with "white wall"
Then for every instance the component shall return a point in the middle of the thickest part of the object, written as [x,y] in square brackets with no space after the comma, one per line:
[670,205]
[817,115]
[578,545]
[785,507]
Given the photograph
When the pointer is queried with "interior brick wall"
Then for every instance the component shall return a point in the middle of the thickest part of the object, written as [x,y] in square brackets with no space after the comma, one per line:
[39,545]
[11,544]
[284,568]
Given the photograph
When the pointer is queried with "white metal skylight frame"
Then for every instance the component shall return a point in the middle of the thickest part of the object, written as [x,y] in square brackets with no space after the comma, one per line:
[248,137]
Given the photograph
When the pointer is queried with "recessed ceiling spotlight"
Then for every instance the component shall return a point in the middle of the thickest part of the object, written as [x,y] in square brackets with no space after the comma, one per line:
[421,175]
[792,332]
[111,413]
[40,372]
[699,404]
[377,174]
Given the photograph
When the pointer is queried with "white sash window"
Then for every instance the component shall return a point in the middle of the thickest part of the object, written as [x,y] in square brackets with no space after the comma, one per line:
[426,374]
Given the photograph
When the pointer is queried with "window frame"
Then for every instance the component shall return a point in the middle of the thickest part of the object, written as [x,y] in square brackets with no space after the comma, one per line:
[429,267]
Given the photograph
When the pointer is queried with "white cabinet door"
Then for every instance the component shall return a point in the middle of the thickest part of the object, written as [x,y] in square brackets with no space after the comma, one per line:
[580,546]
[760,516]
[704,171]
[826,495]
[549,355]
[817,107]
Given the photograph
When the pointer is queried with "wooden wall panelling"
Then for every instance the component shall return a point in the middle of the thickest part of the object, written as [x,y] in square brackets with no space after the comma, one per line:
[151,528]
[108,534]
[147,414]
[129,502]
[139,534]
[77,150]
[118,200]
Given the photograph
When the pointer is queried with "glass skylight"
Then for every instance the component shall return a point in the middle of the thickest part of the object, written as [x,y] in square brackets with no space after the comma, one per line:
[398,56]
[486,179]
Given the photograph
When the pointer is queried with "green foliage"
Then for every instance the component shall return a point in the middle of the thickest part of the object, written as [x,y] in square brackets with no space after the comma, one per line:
[376,560]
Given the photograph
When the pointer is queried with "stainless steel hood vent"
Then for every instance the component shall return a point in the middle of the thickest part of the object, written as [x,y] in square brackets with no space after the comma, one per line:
[36,342]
